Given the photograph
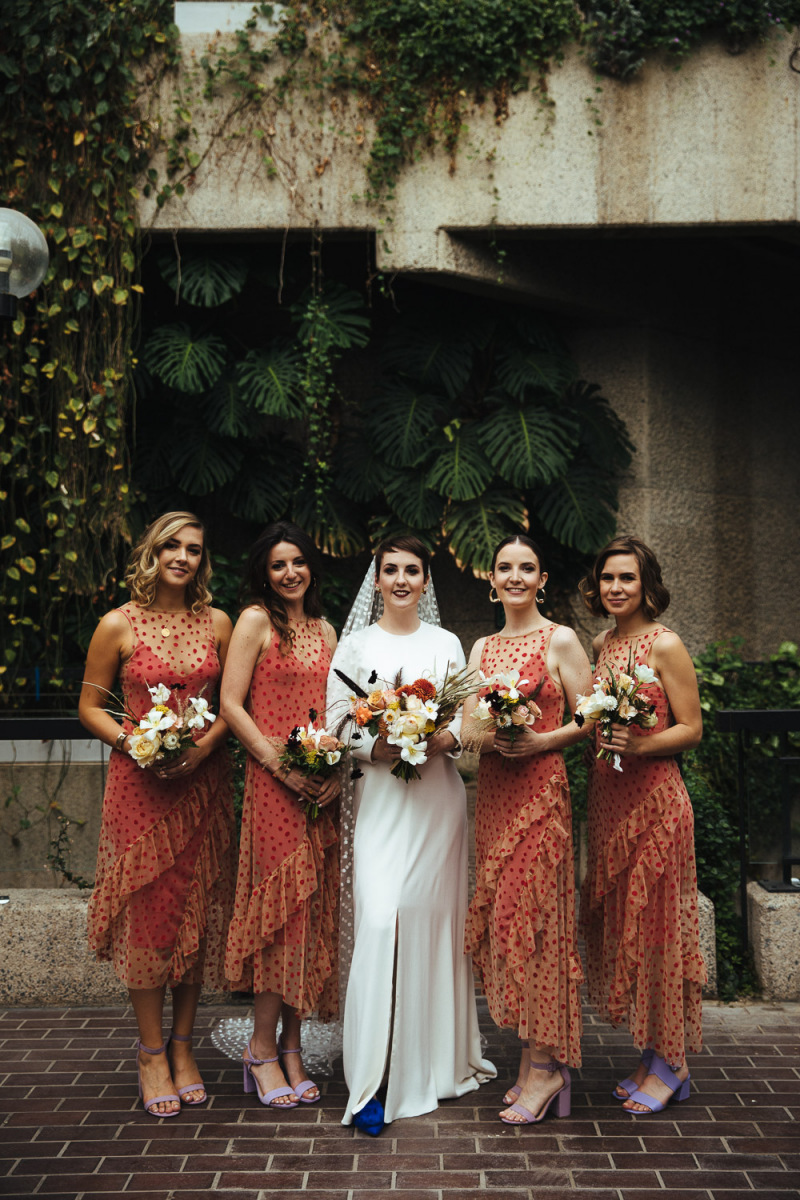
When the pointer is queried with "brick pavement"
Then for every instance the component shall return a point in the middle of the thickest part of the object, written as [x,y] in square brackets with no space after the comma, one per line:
[72,1128]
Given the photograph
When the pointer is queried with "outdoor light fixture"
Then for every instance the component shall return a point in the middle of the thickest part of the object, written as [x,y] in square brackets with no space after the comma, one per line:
[23,259]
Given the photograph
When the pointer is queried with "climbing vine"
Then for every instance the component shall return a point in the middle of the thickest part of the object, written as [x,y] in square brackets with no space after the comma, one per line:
[80,86]
[74,138]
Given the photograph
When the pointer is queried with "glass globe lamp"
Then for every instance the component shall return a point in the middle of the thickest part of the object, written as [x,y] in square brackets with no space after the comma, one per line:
[23,259]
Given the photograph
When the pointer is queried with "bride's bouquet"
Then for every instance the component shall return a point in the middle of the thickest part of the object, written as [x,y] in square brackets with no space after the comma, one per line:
[407,714]
[616,700]
[314,752]
[507,702]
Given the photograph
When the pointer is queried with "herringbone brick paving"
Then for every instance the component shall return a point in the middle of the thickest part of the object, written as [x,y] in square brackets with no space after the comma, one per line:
[72,1128]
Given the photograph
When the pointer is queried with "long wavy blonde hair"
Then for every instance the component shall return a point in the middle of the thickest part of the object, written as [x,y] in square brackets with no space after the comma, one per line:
[143,569]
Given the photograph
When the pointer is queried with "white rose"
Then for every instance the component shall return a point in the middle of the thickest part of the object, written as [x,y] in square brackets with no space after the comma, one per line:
[143,749]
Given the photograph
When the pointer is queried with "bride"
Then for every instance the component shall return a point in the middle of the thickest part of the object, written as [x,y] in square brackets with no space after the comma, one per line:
[410,1007]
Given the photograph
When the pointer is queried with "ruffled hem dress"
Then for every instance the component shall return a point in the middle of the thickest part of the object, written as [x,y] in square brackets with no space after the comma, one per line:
[166,858]
[520,929]
[284,937]
[639,911]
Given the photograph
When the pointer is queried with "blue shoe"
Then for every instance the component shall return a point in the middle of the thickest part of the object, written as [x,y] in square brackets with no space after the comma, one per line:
[369,1119]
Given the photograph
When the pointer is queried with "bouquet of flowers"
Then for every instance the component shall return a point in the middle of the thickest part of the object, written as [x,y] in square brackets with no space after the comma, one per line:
[166,730]
[617,701]
[506,704]
[313,751]
[406,714]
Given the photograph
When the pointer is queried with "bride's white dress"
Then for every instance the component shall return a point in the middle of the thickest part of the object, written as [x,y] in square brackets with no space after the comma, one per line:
[410,1003]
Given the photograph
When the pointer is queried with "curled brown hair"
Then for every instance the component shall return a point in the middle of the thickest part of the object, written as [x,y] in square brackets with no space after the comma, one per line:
[655,596]
[257,589]
[407,543]
[143,570]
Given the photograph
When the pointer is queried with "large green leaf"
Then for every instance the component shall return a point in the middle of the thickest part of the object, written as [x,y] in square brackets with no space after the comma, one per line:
[604,436]
[225,410]
[461,470]
[334,318]
[412,500]
[401,423]
[359,474]
[522,370]
[262,490]
[204,461]
[339,530]
[528,445]
[433,353]
[270,380]
[579,510]
[202,278]
[474,529]
[384,525]
[183,361]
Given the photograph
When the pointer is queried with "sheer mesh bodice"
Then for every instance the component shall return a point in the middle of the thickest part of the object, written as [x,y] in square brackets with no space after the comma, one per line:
[639,900]
[166,856]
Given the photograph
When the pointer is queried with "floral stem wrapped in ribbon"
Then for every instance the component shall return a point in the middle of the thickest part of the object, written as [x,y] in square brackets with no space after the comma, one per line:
[617,701]
[507,701]
[407,714]
[314,752]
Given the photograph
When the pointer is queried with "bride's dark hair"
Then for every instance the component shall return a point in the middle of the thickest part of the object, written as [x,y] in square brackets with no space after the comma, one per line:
[407,543]
[256,587]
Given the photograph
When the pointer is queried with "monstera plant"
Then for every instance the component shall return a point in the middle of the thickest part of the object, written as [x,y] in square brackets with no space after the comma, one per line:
[476,424]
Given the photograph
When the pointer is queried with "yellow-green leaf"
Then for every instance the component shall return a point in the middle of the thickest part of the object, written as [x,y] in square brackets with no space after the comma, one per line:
[28,564]
[8,540]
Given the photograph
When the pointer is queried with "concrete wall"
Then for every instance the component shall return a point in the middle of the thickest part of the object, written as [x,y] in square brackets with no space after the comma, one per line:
[663,239]
[714,143]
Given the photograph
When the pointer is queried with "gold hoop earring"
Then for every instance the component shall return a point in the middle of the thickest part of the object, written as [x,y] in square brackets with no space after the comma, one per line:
[541,596]
[493,599]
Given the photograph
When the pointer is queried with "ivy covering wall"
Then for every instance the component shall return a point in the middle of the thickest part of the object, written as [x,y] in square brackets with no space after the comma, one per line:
[77,78]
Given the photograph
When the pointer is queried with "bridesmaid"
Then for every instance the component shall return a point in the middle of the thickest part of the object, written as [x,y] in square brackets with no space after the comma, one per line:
[282,940]
[639,900]
[165,862]
[521,923]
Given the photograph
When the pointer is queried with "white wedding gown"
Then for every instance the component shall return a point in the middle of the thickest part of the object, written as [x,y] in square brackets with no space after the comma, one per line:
[410,1003]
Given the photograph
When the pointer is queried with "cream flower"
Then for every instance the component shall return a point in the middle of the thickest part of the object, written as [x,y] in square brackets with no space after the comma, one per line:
[645,674]
[170,740]
[201,714]
[414,753]
[143,749]
[160,694]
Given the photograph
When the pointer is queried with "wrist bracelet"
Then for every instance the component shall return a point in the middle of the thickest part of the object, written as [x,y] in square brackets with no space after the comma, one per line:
[281,772]
[121,740]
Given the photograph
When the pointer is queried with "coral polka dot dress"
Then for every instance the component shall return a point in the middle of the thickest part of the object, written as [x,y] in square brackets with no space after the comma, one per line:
[166,857]
[639,900]
[283,936]
[521,923]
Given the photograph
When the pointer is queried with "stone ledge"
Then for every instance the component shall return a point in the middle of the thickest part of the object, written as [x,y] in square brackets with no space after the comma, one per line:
[773,919]
[45,958]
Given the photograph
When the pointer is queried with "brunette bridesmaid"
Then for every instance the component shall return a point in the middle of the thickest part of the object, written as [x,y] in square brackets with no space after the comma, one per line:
[521,924]
[283,938]
[639,908]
